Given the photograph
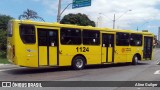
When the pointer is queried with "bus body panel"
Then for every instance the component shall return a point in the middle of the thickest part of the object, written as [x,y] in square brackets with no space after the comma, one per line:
[53,56]
[110,54]
[119,52]
[67,53]
[134,50]
[26,54]
[30,56]
[104,54]
[43,56]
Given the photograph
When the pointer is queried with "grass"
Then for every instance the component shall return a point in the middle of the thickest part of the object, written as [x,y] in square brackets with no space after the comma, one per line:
[3,60]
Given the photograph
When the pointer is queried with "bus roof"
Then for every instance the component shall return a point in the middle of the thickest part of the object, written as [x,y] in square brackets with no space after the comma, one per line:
[76,26]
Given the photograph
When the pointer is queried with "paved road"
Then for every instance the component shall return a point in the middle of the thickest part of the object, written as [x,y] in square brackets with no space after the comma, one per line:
[145,71]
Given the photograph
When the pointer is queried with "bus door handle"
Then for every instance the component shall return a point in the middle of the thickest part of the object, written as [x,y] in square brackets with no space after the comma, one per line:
[60,52]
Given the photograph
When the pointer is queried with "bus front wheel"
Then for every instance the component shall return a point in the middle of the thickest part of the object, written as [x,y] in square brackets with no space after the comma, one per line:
[135,60]
[78,63]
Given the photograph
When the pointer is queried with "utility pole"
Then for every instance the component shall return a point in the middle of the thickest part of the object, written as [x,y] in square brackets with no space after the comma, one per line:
[114,20]
[59,12]
[137,28]
[141,25]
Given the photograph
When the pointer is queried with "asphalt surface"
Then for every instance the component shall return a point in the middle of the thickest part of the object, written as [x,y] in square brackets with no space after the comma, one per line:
[145,71]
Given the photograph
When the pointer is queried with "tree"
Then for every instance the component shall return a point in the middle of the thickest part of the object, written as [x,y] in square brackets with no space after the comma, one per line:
[3,30]
[3,43]
[78,19]
[4,21]
[30,14]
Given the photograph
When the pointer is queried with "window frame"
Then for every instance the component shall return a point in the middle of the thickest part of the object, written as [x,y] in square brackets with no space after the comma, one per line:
[22,35]
[105,40]
[91,43]
[134,39]
[45,38]
[71,36]
[122,43]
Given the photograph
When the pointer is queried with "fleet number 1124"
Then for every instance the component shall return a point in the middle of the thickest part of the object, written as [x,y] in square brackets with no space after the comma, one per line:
[82,49]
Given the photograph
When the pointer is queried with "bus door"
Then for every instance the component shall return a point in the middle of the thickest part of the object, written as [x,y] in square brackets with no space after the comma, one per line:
[48,47]
[107,47]
[147,49]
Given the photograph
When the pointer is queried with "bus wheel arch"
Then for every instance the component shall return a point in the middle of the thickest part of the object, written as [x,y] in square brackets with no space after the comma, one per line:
[78,62]
[139,56]
[136,58]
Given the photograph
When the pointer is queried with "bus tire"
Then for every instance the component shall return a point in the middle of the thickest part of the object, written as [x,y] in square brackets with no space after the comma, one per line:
[78,63]
[135,60]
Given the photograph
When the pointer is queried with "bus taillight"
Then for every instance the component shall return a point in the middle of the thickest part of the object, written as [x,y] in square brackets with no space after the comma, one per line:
[13,51]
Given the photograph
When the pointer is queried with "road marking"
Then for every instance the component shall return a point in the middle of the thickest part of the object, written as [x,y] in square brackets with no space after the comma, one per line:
[158,63]
[157,72]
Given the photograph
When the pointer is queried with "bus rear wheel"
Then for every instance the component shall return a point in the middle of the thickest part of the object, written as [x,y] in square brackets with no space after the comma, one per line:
[78,63]
[135,60]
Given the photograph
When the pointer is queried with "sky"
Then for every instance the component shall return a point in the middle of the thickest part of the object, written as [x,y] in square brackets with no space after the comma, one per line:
[129,14]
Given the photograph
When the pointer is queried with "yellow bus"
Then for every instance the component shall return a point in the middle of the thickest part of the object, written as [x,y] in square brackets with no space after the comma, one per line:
[42,44]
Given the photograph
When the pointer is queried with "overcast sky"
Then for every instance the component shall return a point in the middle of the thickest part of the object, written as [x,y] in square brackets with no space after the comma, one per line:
[144,14]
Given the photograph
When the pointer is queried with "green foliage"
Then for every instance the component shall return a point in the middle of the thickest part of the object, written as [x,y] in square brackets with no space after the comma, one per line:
[3,60]
[3,36]
[4,21]
[3,39]
[78,19]
[30,14]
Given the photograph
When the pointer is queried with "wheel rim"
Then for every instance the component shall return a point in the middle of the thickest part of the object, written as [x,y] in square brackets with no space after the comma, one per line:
[136,59]
[79,63]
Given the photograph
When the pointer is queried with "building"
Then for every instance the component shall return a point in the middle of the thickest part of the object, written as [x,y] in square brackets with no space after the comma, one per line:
[155,41]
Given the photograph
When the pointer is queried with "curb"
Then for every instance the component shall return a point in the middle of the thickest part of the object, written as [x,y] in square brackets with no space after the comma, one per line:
[4,64]
[7,66]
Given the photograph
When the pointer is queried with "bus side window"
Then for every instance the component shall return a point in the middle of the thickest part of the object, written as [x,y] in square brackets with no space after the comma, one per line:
[122,39]
[135,40]
[91,37]
[27,34]
[70,36]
